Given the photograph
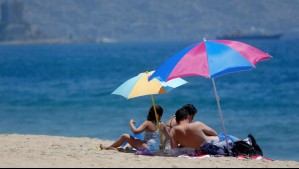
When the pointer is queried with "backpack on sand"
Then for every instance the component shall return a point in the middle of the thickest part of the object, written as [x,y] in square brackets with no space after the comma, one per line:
[243,148]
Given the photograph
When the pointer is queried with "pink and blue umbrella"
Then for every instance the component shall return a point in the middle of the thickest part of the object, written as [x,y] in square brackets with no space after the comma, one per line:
[211,59]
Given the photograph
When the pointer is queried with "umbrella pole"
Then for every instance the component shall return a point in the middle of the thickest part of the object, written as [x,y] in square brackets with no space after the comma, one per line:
[157,120]
[220,112]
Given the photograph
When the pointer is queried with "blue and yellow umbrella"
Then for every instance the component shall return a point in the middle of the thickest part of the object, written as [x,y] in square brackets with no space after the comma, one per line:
[141,86]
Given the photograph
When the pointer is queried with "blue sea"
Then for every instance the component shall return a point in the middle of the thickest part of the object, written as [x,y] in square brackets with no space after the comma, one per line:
[65,90]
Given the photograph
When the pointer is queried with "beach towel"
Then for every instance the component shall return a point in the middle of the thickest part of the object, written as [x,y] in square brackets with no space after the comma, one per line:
[144,151]
[197,155]
[200,155]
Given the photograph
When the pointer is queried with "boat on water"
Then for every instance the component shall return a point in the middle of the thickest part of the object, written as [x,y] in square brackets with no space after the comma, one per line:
[250,35]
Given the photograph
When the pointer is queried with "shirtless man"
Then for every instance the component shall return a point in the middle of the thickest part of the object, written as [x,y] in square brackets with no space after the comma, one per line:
[192,111]
[187,134]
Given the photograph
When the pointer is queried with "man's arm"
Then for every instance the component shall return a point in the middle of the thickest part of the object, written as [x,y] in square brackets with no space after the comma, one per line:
[209,131]
[173,142]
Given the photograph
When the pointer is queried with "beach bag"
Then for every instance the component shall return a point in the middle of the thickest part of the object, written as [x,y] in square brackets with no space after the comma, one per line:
[243,148]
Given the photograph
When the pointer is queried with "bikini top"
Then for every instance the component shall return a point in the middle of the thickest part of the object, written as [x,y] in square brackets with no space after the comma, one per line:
[170,122]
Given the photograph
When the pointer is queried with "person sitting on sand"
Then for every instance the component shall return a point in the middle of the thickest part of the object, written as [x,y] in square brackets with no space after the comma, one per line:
[151,140]
[187,134]
[191,110]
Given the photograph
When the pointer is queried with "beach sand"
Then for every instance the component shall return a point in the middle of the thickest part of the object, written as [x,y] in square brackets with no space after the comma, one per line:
[55,151]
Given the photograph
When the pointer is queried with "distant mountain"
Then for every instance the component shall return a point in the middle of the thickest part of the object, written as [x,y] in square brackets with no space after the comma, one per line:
[12,25]
[150,20]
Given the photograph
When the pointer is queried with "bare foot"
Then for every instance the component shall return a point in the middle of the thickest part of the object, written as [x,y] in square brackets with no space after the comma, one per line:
[111,148]
[103,147]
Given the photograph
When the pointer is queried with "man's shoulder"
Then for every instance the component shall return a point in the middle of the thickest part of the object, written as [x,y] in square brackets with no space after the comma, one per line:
[196,123]
[176,128]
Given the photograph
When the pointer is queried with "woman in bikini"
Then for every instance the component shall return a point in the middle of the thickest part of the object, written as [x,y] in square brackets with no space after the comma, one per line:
[151,138]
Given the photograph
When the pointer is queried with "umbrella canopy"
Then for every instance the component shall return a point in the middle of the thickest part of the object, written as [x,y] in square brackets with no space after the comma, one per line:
[211,59]
[141,86]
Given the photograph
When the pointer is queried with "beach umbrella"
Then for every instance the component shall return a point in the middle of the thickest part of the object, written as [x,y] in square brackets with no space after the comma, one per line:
[141,86]
[211,59]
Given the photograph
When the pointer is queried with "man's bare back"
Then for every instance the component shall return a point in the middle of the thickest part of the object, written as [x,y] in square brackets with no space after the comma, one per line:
[192,134]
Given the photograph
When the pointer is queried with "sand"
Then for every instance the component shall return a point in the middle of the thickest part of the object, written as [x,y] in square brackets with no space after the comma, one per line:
[32,151]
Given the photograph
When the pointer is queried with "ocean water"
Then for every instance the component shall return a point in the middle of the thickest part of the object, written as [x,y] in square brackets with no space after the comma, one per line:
[65,90]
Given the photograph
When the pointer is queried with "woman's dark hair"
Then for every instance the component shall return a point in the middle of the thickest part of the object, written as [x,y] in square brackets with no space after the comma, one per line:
[181,114]
[151,113]
[190,109]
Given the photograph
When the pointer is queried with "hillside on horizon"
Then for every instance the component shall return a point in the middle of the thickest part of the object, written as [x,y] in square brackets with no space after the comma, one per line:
[143,20]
